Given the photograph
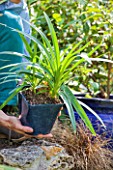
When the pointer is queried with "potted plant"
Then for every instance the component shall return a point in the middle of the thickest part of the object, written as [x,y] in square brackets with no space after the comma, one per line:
[46,75]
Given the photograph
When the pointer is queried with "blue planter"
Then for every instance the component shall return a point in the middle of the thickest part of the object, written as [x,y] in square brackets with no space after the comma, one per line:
[104,108]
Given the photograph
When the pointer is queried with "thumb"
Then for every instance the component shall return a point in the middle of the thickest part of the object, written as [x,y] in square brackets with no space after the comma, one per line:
[27,129]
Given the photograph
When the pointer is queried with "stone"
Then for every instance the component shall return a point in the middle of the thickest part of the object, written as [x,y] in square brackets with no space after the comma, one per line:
[38,155]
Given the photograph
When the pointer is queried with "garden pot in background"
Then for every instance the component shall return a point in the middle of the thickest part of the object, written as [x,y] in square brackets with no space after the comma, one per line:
[104,108]
[40,117]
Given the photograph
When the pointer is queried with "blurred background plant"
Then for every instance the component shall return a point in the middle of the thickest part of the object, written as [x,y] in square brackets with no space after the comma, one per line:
[91,21]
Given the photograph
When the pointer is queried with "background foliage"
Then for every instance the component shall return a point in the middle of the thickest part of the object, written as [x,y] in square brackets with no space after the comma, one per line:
[90,21]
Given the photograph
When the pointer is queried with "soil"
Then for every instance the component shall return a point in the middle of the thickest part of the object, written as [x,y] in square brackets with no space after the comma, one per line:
[5,143]
[42,98]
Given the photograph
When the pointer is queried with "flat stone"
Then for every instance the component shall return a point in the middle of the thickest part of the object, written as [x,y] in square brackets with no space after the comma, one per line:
[41,156]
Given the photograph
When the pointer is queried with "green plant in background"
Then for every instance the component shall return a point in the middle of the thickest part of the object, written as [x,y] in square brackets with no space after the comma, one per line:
[74,21]
[97,26]
[50,71]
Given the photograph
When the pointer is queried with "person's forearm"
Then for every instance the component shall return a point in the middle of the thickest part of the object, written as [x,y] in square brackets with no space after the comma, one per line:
[3,118]
[13,123]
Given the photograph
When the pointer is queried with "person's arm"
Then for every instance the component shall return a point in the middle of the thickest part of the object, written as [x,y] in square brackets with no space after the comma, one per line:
[13,123]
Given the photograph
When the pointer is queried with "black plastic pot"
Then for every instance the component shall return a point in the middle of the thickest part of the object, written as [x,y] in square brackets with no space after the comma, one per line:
[40,117]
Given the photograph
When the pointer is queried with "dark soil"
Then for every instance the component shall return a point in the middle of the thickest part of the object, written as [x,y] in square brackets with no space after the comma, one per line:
[5,143]
[36,98]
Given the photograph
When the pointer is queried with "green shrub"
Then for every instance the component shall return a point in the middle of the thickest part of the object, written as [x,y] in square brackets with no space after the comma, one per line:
[90,21]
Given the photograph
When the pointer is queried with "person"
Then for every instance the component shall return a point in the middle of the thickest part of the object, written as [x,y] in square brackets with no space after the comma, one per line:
[11,14]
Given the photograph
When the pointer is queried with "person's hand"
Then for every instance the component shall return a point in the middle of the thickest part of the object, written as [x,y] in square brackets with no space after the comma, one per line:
[15,1]
[13,123]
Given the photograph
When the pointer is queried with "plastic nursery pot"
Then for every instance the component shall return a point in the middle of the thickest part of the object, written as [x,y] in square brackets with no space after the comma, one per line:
[40,117]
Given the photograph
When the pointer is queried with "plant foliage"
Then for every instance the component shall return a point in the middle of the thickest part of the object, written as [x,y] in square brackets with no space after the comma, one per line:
[50,68]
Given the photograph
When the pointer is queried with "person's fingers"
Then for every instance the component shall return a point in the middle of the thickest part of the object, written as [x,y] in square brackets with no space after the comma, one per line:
[59,114]
[44,136]
[21,139]
[15,124]
[61,108]
[21,132]
[38,136]
[24,129]
[20,116]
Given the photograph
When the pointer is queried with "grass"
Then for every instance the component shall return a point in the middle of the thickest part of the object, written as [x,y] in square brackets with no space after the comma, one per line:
[89,152]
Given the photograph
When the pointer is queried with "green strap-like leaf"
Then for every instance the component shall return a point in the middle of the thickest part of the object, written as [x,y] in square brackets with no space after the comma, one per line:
[102,60]
[15,92]
[27,45]
[16,54]
[79,109]
[94,49]
[54,40]
[69,108]
[10,80]
[50,57]
[93,112]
